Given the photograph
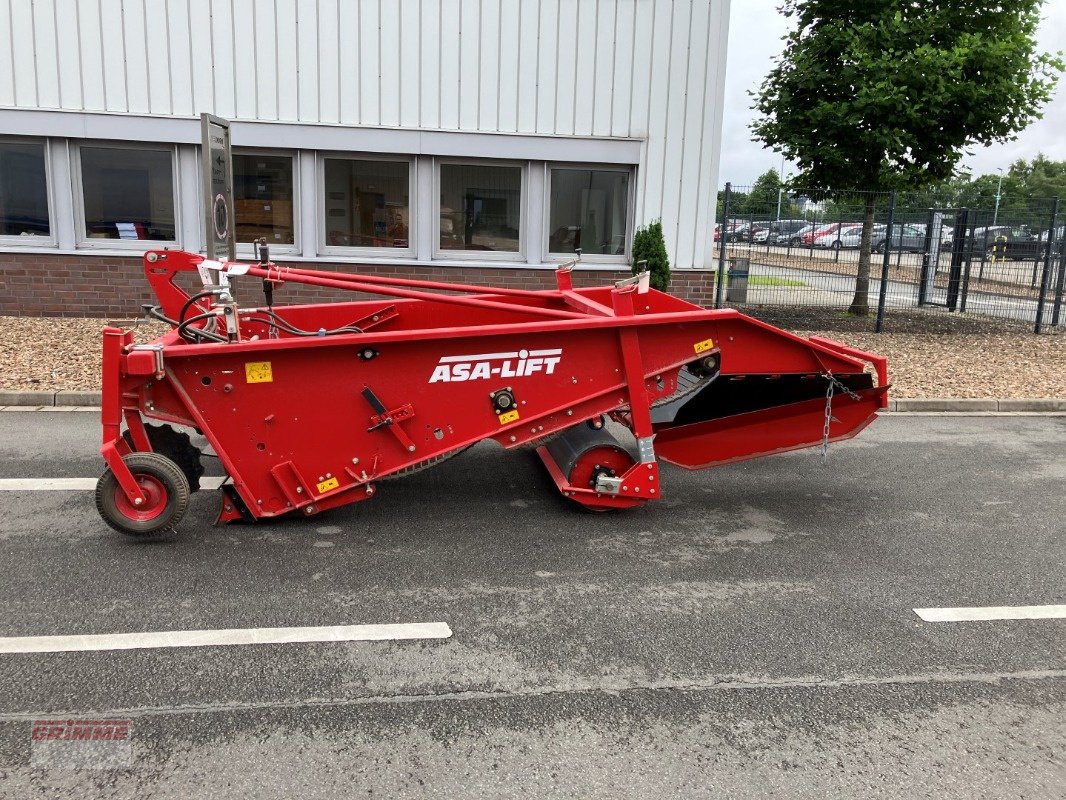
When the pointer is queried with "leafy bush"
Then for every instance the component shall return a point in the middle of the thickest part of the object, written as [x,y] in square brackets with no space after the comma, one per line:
[649,245]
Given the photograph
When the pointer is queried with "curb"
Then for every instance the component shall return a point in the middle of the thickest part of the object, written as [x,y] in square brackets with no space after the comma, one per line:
[66,398]
[1004,405]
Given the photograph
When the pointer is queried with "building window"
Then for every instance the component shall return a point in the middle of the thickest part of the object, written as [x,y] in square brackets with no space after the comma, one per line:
[367,203]
[588,209]
[480,207]
[127,193]
[263,198]
[23,191]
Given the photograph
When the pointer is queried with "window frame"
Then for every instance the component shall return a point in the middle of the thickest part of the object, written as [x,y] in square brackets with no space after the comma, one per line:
[590,258]
[370,253]
[247,249]
[51,240]
[81,239]
[523,216]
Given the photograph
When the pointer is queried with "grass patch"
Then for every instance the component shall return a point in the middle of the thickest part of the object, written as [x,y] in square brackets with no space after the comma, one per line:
[770,280]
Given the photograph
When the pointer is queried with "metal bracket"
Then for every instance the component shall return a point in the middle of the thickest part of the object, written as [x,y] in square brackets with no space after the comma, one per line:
[385,418]
[646,449]
[608,485]
[642,281]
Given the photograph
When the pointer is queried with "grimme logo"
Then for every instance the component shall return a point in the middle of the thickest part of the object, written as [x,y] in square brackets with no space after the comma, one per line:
[81,743]
[452,369]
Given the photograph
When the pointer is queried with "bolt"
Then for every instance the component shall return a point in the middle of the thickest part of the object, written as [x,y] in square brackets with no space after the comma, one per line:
[651,491]
[299,490]
[137,501]
[513,438]
[320,479]
[355,460]
[229,508]
[636,488]
[569,412]
[369,490]
[651,477]
[309,510]
[329,474]
[259,502]
[410,448]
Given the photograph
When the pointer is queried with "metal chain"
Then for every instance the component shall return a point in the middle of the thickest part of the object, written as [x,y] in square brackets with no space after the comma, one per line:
[834,383]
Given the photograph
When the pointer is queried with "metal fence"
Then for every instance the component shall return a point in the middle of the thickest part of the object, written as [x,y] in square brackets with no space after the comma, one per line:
[782,249]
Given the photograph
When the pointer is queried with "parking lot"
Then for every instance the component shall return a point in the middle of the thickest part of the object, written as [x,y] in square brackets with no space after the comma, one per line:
[753,634]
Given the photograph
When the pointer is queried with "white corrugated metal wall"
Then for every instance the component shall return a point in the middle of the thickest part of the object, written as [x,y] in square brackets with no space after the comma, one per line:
[645,69]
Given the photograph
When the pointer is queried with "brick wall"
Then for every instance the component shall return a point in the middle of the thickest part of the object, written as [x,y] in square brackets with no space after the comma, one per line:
[49,285]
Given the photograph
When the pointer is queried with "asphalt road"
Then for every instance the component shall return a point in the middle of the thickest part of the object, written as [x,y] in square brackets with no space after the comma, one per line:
[752,635]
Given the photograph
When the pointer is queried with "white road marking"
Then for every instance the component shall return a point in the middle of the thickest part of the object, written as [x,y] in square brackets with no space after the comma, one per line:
[219,638]
[72,484]
[987,613]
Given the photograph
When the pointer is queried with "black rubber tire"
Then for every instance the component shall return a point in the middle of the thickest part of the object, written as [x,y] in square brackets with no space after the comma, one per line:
[165,472]
[176,446]
[837,245]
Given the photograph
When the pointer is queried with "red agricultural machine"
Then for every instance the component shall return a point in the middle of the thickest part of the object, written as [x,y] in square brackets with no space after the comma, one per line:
[309,407]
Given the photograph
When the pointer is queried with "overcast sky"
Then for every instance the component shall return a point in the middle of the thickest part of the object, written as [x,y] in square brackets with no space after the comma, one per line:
[755,31]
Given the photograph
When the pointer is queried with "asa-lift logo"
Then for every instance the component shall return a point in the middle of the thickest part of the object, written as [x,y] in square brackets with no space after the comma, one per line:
[482,366]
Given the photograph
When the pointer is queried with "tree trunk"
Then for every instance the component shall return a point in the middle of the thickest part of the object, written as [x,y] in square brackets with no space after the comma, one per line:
[860,305]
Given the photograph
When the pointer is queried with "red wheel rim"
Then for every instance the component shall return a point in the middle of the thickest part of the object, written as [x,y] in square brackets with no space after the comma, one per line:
[607,457]
[155,499]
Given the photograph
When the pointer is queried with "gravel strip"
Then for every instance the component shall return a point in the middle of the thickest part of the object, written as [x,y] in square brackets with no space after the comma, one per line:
[929,355]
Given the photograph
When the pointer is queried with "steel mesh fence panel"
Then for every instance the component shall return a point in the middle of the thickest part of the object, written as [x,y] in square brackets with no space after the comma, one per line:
[788,251]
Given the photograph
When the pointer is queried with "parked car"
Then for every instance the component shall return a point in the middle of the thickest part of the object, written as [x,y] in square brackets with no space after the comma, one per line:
[909,238]
[846,234]
[780,230]
[851,236]
[815,233]
[797,237]
[1006,242]
[762,235]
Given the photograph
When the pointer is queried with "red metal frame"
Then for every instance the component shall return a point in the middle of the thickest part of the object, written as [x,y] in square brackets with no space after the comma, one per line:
[310,423]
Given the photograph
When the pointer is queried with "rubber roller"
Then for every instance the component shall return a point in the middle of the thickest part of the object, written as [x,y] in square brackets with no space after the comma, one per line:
[583,454]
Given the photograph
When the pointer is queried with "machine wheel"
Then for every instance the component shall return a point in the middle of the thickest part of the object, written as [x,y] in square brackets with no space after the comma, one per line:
[176,446]
[583,454]
[163,483]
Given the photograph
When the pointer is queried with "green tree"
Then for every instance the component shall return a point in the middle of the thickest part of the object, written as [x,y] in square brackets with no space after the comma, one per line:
[649,245]
[762,200]
[886,94]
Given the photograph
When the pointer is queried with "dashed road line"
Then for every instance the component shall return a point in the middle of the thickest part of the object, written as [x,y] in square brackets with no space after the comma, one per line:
[223,637]
[991,613]
[73,484]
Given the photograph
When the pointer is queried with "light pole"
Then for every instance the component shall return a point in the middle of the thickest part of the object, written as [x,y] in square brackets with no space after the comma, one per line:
[999,186]
[780,181]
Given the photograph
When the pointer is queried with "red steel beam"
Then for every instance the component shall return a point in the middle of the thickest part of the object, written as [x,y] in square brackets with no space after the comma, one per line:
[391,291]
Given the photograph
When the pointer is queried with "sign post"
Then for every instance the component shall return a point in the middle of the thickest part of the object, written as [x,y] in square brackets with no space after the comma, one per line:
[219,234]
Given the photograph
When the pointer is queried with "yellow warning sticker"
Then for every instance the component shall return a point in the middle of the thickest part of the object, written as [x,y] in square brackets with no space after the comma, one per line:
[704,346]
[258,372]
[326,485]
[510,416]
